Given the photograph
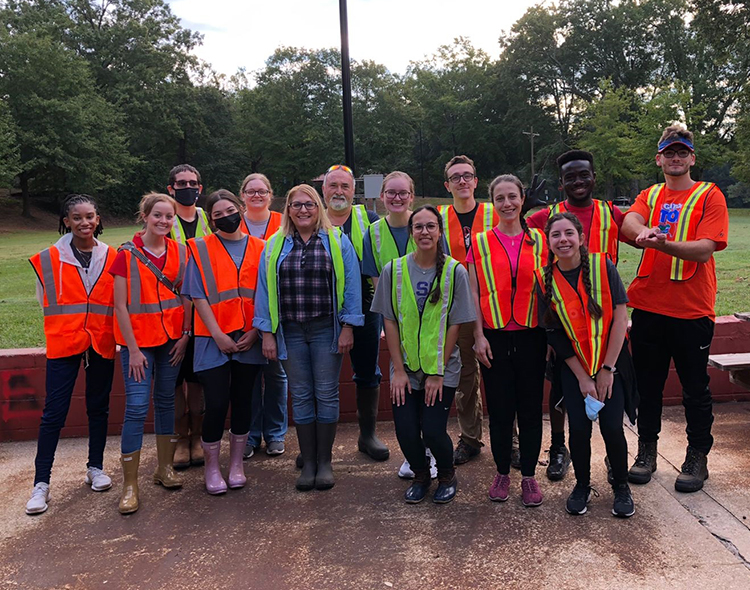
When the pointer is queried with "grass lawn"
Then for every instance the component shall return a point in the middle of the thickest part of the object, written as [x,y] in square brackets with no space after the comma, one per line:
[21,316]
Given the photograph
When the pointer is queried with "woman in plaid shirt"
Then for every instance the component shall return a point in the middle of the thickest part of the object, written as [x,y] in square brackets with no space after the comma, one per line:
[308,300]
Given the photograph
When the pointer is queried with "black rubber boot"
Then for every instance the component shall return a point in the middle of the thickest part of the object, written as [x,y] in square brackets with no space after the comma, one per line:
[299,461]
[367,414]
[308,445]
[447,486]
[326,433]
[419,488]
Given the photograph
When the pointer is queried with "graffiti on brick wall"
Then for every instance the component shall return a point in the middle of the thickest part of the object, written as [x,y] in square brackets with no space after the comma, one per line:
[19,399]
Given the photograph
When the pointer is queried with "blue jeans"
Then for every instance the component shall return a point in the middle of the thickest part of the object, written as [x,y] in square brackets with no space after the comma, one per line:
[270,420]
[364,353]
[61,378]
[137,395]
[312,371]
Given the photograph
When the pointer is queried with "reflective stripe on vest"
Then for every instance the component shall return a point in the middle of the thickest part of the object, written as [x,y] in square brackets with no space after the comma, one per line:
[589,336]
[230,291]
[156,313]
[384,246]
[360,223]
[202,229]
[687,226]
[275,245]
[603,234]
[70,328]
[485,219]
[422,333]
[502,297]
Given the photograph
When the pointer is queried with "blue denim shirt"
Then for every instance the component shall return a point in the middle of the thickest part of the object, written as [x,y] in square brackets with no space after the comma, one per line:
[351,311]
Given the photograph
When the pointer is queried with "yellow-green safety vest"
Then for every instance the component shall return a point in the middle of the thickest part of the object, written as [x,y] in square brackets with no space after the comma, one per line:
[383,244]
[422,334]
[360,224]
[202,229]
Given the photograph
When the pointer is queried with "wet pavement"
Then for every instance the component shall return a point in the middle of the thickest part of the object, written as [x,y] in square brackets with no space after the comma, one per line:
[360,534]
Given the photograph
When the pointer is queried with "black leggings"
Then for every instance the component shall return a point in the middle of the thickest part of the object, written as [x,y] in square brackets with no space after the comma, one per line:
[610,425]
[514,385]
[231,382]
[419,426]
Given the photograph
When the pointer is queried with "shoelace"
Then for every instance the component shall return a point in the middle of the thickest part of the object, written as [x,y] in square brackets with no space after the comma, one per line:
[622,494]
[39,491]
[530,485]
[692,463]
[95,472]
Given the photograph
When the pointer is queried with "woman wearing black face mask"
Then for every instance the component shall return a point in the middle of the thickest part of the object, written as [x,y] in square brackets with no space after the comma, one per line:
[220,279]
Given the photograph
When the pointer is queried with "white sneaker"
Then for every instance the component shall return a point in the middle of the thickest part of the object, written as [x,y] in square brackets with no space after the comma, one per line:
[97,479]
[405,471]
[39,498]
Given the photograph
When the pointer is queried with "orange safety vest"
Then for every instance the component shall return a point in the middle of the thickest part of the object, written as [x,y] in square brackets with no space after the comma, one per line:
[588,335]
[74,319]
[688,218]
[485,219]
[156,313]
[230,291]
[603,235]
[502,296]
[274,223]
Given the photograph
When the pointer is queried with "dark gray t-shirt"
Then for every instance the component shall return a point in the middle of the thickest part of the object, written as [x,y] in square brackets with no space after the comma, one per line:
[401,237]
[462,311]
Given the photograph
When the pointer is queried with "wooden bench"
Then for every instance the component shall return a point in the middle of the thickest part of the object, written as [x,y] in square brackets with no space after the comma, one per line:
[738,364]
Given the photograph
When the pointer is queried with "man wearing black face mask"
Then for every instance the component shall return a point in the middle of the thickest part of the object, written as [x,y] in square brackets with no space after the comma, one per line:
[190,222]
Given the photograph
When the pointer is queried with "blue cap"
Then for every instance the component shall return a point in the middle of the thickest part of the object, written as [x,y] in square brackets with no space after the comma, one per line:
[680,140]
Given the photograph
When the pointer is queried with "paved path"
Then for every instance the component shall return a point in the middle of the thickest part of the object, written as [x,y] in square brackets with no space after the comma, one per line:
[360,535]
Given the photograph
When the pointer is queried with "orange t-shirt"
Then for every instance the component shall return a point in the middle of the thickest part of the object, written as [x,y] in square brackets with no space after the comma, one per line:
[696,297]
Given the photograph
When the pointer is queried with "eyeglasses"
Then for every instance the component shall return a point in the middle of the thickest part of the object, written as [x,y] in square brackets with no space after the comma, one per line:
[418,228]
[261,192]
[309,205]
[467,176]
[340,167]
[393,194]
[186,183]
[669,154]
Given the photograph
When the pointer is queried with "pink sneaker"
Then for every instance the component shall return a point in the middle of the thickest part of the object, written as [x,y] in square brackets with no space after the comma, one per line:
[500,488]
[531,495]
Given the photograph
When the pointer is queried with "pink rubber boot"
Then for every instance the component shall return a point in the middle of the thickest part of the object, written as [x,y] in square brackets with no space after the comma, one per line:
[215,483]
[237,444]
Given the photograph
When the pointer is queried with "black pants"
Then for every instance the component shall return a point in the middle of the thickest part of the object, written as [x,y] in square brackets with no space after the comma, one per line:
[610,425]
[656,339]
[61,379]
[514,386]
[232,383]
[364,353]
[419,427]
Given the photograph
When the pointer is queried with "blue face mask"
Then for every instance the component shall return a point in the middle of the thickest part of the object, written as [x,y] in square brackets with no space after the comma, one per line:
[593,407]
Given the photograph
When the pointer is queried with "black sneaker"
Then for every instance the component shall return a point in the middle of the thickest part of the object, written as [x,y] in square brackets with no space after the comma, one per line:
[693,473]
[623,506]
[645,463]
[559,462]
[515,453]
[579,497]
[464,453]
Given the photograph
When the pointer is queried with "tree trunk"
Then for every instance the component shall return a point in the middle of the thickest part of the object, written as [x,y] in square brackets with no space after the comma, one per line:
[25,197]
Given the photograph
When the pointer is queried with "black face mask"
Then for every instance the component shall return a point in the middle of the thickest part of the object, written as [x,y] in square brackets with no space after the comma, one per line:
[186,196]
[228,224]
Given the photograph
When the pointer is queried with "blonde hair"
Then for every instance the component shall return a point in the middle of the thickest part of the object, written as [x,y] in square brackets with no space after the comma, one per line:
[397,174]
[323,223]
[149,200]
[256,176]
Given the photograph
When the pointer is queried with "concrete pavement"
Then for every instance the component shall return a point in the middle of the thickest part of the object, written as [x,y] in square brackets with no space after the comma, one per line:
[360,534]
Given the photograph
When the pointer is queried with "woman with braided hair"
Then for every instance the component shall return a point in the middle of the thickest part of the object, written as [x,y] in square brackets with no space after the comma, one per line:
[76,294]
[510,346]
[582,306]
[424,297]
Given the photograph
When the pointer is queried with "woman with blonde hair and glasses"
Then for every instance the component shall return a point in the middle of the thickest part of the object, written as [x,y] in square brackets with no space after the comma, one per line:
[308,301]
[270,390]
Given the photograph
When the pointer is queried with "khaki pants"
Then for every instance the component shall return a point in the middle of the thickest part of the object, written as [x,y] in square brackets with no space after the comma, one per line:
[468,396]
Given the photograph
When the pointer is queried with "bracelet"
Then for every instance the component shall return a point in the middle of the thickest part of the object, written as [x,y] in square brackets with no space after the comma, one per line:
[610,369]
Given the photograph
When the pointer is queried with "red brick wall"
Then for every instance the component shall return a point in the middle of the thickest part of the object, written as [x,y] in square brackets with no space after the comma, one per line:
[22,389]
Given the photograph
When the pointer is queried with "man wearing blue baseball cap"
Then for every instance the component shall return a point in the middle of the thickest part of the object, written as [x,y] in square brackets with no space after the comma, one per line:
[679,224]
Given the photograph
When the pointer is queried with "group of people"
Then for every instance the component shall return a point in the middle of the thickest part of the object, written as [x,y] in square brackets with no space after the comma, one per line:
[236,305]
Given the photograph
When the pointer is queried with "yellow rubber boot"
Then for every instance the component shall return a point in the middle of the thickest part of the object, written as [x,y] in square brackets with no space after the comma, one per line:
[129,497]
[164,474]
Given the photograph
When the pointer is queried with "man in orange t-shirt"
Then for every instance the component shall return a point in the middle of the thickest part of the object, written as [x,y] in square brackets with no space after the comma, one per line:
[679,224]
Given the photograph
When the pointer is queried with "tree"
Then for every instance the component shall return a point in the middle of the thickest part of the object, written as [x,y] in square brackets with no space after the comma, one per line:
[9,156]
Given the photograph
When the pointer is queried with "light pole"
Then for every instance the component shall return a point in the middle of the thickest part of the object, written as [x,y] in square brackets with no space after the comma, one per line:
[532,135]
[346,85]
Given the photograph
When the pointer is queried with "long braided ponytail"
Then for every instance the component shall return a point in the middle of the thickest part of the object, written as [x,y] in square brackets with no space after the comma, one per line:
[434,295]
[594,308]
[549,316]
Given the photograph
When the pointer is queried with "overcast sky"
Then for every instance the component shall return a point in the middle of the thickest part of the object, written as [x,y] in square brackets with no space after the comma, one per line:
[244,33]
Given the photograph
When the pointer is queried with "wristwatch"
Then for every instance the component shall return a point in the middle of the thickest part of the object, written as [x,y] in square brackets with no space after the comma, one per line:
[187,332]
[610,369]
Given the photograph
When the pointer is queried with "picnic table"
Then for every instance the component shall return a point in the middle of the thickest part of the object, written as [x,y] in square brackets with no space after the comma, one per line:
[738,364]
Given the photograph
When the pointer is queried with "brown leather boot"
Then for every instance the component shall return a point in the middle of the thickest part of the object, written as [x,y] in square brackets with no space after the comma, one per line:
[164,474]
[129,497]
[182,450]
[196,433]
